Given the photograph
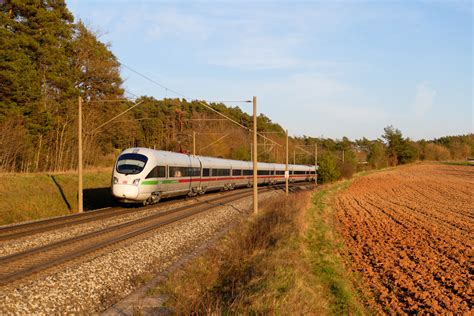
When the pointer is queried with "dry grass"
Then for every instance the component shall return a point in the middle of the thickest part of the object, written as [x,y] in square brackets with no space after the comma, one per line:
[260,267]
[39,195]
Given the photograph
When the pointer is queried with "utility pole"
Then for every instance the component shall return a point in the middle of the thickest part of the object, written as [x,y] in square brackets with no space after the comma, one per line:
[287,172]
[294,157]
[316,163]
[194,143]
[79,158]
[254,157]
[343,156]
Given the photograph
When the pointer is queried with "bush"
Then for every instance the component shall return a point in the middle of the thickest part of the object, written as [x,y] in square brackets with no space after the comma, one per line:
[436,152]
[347,170]
[328,170]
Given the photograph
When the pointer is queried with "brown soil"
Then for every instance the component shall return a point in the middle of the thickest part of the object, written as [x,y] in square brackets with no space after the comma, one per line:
[410,233]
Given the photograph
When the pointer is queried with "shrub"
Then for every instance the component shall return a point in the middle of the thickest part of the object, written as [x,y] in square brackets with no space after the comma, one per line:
[328,170]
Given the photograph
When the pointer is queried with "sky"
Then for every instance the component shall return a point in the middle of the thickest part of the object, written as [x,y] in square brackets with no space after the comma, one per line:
[318,68]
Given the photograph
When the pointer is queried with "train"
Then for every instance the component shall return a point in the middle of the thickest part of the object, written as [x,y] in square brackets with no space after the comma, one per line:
[143,175]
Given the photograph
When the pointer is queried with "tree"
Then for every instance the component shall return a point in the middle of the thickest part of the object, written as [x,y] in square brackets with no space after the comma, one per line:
[408,152]
[328,170]
[377,157]
[435,152]
[35,69]
[399,149]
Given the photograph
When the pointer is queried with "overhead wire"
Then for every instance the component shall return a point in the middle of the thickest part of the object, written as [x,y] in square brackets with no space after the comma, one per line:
[116,116]
[198,101]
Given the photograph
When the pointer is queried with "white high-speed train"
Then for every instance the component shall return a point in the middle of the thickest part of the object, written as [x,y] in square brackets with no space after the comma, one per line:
[143,175]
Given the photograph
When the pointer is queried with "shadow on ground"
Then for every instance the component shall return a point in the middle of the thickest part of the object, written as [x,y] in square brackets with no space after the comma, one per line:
[98,198]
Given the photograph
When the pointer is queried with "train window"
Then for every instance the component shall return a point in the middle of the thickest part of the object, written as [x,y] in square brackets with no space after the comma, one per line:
[236,172]
[224,172]
[175,172]
[280,172]
[248,172]
[263,172]
[157,172]
[220,172]
[206,172]
[131,163]
[192,172]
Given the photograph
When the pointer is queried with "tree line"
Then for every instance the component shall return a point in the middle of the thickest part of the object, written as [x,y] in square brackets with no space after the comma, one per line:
[391,149]
[48,60]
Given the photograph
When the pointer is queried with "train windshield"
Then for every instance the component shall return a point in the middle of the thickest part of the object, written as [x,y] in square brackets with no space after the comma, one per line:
[131,163]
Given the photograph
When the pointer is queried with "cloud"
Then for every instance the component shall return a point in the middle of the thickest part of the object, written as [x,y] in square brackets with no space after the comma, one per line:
[424,99]
[255,53]
[172,24]
[322,99]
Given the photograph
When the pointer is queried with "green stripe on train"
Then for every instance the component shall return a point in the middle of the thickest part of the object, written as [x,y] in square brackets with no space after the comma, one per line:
[155,182]
[150,182]
[169,181]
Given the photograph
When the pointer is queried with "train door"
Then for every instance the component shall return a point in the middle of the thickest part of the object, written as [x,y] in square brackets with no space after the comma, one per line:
[188,175]
[179,180]
[202,184]
[195,174]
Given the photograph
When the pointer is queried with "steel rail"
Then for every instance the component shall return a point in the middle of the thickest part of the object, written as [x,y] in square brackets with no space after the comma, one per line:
[22,267]
[23,264]
[44,225]
[18,255]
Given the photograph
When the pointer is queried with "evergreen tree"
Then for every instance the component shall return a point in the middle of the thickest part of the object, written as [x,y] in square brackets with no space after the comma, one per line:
[377,157]
[328,170]
[400,150]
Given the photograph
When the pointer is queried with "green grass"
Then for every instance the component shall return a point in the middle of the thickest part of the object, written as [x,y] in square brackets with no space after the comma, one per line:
[34,196]
[324,249]
[458,163]
[285,260]
[259,268]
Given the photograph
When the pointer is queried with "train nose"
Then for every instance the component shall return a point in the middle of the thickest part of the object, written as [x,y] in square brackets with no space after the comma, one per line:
[125,191]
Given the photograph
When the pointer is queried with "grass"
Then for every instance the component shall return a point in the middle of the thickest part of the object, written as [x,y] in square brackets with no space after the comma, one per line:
[34,196]
[457,163]
[324,254]
[283,261]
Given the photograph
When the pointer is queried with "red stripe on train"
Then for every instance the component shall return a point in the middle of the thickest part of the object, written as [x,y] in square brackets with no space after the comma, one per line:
[236,178]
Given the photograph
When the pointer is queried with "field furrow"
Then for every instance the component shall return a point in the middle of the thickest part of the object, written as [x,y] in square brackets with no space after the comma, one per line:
[409,232]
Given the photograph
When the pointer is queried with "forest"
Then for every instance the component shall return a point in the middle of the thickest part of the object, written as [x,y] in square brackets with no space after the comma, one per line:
[48,61]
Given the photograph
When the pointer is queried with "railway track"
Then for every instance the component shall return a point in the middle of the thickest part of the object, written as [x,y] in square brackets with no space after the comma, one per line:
[45,225]
[23,264]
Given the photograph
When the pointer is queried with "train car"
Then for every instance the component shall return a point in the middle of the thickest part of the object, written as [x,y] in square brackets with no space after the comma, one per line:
[143,175]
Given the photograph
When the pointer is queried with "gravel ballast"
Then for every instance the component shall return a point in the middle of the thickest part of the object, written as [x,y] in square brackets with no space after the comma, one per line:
[37,240]
[94,285]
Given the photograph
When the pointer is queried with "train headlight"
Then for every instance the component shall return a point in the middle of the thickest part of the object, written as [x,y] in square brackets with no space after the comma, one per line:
[115,180]
[136,181]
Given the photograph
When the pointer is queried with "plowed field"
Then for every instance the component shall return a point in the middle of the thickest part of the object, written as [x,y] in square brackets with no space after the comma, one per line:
[410,234]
